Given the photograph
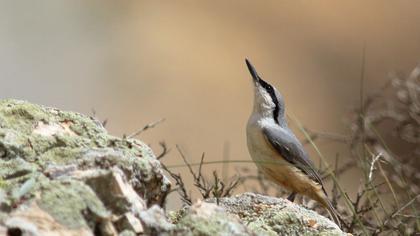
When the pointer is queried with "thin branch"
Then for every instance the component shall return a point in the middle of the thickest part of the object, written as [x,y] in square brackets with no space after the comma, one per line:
[186,162]
[165,150]
[393,215]
[372,165]
[146,127]
[185,197]
[405,206]
[313,135]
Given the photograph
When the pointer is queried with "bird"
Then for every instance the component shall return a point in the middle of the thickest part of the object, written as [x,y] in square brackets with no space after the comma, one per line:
[276,151]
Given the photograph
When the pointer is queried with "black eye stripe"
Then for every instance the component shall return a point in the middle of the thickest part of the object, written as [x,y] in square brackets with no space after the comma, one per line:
[272,93]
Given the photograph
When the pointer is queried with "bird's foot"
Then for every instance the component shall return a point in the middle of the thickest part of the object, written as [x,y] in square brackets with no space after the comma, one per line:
[291,197]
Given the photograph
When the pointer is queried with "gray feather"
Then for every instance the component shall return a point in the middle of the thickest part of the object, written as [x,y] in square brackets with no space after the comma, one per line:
[289,147]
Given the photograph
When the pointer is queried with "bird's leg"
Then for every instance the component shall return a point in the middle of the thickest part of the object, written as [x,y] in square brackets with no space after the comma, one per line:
[291,197]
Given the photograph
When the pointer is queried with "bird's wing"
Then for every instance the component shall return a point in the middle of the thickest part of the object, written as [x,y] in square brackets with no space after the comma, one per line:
[292,151]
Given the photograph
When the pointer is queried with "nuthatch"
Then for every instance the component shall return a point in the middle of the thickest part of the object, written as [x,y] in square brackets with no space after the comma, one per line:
[275,149]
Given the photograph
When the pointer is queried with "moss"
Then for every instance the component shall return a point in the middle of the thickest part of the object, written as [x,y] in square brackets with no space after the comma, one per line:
[15,168]
[3,184]
[15,172]
[21,115]
[217,224]
[275,216]
[274,222]
[71,203]
[33,138]
[19,119]
[13,144]
[260,227]
[59,155]
[175,216]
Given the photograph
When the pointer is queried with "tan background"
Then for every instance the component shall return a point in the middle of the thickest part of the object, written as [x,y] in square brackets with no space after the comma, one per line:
[135,62]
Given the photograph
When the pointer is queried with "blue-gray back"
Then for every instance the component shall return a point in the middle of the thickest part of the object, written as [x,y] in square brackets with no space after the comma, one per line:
[290,148]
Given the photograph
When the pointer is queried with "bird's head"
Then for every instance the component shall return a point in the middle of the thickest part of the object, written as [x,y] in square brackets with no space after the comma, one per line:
[267,100]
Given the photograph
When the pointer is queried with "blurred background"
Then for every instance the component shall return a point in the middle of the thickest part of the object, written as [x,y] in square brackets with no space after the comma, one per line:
[135,62]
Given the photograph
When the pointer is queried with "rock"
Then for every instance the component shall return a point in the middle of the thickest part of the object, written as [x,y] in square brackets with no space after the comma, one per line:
[113,189]
[251,214]
[204,218]
[129,222]
[61,173]
[156,223]
[31,220]
[276,216]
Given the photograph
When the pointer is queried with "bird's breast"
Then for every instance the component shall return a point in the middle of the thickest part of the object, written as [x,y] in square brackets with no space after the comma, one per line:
[261,151]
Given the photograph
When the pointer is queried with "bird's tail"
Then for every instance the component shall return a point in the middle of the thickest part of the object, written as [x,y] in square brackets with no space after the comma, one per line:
[331,210]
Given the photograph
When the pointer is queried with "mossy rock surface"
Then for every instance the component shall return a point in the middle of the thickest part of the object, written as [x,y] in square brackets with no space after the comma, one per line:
[48,156]
[249,214]
[266,215]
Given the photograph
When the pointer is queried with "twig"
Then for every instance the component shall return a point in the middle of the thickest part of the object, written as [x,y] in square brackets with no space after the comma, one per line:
[165,150]
[185,197]
[186,162]
[334,191]
[200,166]
[396,212]
[372,164]
[313,135]
[103,123]
[405,206]
[146,127]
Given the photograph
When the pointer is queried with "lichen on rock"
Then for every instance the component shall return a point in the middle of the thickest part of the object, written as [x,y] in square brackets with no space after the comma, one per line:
[276,216]
[208,219]
[67,166]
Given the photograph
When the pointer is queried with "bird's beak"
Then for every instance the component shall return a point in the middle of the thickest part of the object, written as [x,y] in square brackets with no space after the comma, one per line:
[253,72]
